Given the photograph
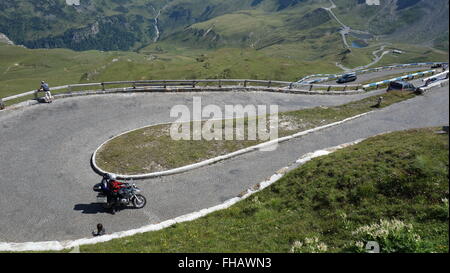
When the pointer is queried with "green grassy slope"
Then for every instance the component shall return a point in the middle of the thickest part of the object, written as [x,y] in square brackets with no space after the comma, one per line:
[257,28]
[402,176]
[152,149]
[22,69]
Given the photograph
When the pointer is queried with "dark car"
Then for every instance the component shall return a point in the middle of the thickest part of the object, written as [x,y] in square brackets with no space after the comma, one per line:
[401,85]
[350,77]
[436,66]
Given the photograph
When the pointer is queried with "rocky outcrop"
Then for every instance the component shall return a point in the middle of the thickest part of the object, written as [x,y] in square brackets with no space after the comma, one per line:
[73,2]
[4,39]
[86,33]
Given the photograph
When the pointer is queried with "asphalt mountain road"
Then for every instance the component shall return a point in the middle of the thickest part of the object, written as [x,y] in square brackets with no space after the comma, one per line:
[46,179]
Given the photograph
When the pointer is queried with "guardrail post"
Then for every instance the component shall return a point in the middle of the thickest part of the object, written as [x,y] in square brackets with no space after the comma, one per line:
[2,104]
[290,85]
[310,87]
[193,84]
[165,84]
[220,83]
[329,88]
[345,88]
[269,84]
[245,84]
[103,86]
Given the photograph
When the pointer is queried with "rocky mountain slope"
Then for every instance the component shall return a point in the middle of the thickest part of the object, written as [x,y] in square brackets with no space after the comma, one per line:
[132,24]
[4,39]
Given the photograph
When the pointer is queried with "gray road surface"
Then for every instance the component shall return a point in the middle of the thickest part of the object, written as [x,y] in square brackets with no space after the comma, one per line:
[46,179]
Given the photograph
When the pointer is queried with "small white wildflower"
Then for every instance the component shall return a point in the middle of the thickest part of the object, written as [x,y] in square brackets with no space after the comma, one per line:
[359,244]
[322,247]
[309,241]
[297,245]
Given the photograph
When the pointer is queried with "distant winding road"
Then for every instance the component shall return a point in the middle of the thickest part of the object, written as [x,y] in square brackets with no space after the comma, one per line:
[345,30]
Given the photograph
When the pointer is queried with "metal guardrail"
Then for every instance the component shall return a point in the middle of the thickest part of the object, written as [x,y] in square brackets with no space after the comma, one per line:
[440,76]
[327,77]
[439,83]
[149,84]
[245,83]
[438,80]
[30,93]
[328,87]
[410,76]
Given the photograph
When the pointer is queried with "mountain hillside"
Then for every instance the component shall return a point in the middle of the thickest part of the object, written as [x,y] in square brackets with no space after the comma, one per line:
[80,41]
[409,21]
[133,24]
[103,24]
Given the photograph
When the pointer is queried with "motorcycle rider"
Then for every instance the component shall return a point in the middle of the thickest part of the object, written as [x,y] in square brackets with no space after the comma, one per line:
[111,187]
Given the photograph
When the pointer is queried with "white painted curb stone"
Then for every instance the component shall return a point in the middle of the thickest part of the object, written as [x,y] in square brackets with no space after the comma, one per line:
[215,159]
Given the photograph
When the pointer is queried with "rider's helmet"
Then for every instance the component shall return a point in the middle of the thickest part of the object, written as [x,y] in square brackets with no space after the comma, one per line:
[112,176]
[42,82]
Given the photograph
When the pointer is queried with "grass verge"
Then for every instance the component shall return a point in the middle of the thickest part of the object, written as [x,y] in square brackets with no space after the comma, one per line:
[332,203]
[152,149]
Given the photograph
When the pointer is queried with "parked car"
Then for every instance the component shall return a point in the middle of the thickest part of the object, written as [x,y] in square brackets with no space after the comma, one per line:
[422,88]
[401,85]
[436,66]
[349,77]
[430,81]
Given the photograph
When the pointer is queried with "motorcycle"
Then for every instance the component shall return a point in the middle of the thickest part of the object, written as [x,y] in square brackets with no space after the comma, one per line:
[128,194]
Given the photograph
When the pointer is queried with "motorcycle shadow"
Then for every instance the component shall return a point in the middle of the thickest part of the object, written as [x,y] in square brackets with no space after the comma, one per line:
[92,208]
